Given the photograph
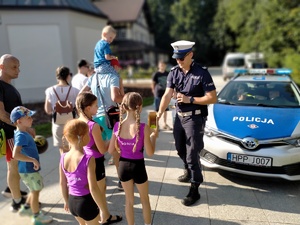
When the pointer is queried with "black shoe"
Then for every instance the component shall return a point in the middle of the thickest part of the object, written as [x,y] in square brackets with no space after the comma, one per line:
[120,187]
[192,197]
[7,193]
[186,177]
[16,206]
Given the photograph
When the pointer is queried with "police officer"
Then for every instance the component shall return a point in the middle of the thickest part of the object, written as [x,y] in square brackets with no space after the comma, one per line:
[194,90]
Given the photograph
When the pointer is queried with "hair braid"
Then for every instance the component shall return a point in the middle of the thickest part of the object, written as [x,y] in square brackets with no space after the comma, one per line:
[122,111]
[137,120]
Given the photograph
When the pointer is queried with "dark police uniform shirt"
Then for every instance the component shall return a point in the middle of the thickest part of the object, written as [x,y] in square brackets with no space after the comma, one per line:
[195,83]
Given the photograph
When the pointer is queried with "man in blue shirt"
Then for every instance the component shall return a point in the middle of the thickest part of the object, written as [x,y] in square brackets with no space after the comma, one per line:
[194,89]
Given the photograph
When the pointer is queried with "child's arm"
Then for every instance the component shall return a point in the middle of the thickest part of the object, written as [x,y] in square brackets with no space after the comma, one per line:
[121,87]
[149,140]
[94,189]
[64,188]
[24,158]
[101,145]
[110,57]
[48,107]
[112,148]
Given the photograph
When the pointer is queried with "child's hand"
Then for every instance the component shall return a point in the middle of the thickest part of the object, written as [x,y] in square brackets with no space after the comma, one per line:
[154,132]
[117,68]
[36,164]
[66,207]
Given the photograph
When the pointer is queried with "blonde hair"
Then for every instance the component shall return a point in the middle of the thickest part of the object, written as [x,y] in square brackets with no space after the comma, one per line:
[132,101]
[108,29]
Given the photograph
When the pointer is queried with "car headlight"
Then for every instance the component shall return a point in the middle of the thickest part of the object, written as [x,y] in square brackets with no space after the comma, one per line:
[209,132]
[295,142]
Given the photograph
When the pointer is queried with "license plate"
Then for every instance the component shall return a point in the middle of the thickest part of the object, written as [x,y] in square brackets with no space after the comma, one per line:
[249,159]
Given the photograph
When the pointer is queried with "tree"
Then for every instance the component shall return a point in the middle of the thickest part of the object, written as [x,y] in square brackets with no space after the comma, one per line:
[192,21]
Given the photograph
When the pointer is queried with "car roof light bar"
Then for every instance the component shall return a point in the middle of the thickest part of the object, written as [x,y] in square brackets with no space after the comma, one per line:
[279,71]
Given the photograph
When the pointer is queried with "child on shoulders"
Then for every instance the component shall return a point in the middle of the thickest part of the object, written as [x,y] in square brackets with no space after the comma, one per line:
[104,61]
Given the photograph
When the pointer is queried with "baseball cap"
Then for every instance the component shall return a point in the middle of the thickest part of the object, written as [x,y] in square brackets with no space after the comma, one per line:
[181,48]
[20,111]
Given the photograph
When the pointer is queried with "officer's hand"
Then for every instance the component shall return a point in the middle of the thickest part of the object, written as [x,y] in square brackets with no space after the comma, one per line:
[181,98]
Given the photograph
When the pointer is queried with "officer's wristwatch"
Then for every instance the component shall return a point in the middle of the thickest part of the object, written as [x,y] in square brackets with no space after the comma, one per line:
[192,99]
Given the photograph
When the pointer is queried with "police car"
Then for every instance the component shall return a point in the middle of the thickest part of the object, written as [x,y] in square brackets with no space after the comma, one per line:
[254,128]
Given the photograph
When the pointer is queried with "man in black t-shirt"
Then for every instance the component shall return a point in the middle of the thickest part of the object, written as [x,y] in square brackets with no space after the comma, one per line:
[159,82]
[10,98]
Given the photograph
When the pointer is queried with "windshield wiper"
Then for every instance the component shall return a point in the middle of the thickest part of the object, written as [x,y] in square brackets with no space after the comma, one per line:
[226,102]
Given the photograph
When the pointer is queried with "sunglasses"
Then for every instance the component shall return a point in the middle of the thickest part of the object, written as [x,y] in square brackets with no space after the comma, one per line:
[182,59]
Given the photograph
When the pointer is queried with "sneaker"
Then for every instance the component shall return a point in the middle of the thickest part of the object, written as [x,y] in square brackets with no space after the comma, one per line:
[167,127]
[120,187]
[25,211]
[41,219]
[16,206]
[7,194]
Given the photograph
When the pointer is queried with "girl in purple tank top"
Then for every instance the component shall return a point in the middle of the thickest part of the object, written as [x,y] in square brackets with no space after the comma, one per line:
[86,104]
[77,176]
[130,138]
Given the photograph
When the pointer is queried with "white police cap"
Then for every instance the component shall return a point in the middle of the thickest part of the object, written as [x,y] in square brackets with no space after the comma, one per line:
[181,48]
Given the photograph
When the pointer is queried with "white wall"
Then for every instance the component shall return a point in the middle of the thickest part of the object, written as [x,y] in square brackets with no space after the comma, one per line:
[43,40]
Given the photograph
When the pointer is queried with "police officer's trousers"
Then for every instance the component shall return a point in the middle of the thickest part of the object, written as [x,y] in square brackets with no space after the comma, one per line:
[188,134]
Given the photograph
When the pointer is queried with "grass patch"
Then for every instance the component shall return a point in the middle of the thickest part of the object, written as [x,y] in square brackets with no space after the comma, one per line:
[148,101]
[43,129]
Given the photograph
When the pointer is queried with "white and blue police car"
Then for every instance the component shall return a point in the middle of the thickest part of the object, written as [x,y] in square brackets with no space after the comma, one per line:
[254,128]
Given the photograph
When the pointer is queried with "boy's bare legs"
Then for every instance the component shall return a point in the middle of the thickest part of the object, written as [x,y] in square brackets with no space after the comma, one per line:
[34,201]
[13,178]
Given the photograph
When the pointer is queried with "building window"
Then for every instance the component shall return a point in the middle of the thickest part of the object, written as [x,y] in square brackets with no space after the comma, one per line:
[121,34]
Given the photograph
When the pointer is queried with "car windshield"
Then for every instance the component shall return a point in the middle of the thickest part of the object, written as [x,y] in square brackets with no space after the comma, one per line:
[260,93]
[236,62]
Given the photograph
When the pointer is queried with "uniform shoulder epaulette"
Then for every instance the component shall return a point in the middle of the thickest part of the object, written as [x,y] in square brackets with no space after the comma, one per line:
[198,64]
[174,67]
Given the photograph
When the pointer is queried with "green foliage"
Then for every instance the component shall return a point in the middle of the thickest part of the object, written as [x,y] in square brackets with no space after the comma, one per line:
[293,61]
[147,101]
[43,129]
[139,73]
[162,20]
[220,26]
[192,21]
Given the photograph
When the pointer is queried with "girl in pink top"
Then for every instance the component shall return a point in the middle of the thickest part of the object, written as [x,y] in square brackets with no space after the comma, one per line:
[77,176]
[130,138]
[86,104]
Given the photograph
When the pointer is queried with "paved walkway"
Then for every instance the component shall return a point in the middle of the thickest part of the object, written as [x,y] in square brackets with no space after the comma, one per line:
[225,200]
